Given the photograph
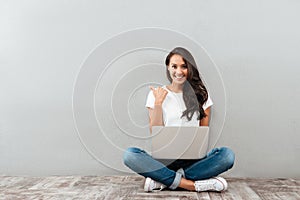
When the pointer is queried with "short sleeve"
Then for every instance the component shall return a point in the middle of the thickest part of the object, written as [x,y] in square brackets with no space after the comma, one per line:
[208,103]
[150,100]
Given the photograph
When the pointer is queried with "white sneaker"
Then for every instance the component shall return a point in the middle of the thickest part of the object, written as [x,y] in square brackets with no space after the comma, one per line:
[151,185]
[212,184]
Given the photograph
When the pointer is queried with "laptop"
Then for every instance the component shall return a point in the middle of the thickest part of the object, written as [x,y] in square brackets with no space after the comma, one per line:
[179,142]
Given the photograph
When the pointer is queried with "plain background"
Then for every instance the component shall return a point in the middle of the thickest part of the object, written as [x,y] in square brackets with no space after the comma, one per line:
[43,45]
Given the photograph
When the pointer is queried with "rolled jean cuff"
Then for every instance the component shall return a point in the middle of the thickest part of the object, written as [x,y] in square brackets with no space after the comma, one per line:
[181,171]
[176,181]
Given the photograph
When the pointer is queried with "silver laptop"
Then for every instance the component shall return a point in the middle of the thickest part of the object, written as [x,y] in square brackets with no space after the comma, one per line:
[179,142]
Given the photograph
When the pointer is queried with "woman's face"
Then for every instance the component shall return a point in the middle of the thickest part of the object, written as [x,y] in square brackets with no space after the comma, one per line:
[177,69]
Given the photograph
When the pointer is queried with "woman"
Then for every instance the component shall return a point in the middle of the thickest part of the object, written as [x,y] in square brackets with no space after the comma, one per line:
[185,102]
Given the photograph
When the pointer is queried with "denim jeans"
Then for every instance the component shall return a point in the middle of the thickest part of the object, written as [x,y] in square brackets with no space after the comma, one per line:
[217,161]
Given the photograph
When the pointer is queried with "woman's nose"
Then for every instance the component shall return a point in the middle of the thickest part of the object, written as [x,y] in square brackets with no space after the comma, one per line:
[178,70]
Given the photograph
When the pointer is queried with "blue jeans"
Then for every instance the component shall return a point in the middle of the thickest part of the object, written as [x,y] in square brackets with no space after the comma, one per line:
[217,161]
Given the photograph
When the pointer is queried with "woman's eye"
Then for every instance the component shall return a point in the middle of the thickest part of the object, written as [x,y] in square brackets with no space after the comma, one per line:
[174,66]
[184,66]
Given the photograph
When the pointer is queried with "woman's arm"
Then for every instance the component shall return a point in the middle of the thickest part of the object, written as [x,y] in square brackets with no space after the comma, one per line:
[155,116]
[205,121]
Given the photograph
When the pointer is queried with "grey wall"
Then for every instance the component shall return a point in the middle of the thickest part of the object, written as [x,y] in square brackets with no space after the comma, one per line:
[73,86]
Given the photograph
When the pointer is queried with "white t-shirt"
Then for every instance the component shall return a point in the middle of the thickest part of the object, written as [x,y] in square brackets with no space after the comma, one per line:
[173,106]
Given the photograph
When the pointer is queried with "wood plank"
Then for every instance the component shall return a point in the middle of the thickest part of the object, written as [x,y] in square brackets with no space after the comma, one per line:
[240,190]
[288,195]
[203,195]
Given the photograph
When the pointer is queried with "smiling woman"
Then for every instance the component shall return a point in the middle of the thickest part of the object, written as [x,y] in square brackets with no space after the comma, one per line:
[184,102]
[194,92]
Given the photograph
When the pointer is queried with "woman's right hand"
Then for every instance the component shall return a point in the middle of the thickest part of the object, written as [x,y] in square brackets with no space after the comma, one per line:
[159,94]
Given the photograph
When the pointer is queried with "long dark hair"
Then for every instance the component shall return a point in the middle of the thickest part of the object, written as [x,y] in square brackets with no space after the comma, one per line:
[194,92]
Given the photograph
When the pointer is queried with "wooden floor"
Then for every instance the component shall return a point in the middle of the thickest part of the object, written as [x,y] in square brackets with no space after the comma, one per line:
[131,187]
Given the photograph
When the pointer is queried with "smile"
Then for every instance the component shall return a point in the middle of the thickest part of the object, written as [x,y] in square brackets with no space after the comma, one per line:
[179,76]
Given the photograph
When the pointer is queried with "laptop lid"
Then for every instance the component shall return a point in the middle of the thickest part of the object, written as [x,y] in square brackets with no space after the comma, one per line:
[179,142]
